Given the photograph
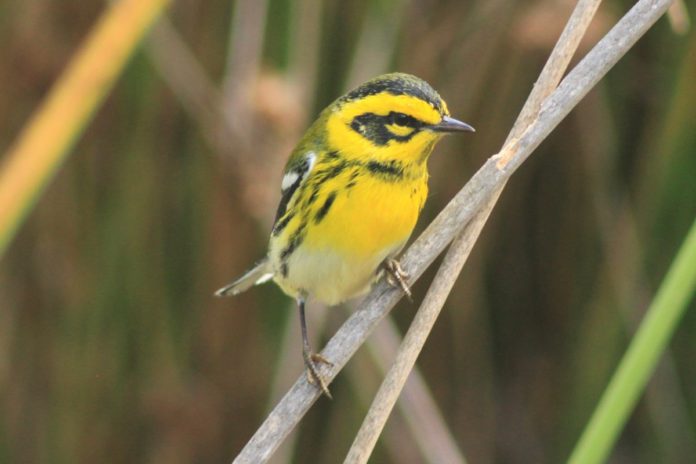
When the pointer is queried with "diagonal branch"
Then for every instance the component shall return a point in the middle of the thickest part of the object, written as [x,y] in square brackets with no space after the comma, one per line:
[453,218]
[461,247]
[556,65]
[414,340]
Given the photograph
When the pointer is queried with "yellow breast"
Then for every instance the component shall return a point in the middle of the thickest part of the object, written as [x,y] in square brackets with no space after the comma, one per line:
[369,217]
[355,224]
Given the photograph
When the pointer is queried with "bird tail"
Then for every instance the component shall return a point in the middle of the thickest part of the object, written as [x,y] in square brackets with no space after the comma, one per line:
[259,274]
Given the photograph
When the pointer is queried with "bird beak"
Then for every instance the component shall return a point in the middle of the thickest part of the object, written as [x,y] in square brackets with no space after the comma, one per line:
[449,124]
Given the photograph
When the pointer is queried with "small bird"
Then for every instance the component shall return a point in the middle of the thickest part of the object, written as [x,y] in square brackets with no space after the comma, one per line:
[350,197]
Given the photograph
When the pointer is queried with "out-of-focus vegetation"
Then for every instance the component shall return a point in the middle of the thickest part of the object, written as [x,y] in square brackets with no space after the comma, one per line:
[112,348]
[46,139]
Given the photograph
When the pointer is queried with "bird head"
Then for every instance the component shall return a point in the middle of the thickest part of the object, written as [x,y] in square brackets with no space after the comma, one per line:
[393,116]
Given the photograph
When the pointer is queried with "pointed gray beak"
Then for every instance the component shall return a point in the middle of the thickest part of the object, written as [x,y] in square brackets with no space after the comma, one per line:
[449,124]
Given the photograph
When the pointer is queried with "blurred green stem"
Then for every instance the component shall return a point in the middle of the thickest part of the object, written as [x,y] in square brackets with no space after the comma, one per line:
[46,140]
[642,356]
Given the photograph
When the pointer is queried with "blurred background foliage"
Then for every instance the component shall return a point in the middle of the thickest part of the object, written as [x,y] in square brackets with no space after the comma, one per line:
[112,348]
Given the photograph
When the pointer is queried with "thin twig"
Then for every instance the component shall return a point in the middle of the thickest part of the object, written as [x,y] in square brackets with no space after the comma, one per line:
[414,340]
[451,220]
[555,66]
[416,404]
[424,321]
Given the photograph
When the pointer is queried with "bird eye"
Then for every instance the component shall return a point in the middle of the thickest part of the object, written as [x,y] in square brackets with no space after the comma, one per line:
[400,119]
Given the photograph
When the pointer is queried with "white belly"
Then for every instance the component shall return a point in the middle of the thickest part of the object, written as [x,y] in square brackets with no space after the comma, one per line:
[330,277]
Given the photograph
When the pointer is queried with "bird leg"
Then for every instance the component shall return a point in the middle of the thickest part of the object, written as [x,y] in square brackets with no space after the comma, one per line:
[397,277]
[311,359]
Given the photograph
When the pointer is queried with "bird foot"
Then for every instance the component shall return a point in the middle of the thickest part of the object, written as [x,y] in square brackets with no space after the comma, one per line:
[397,277]
[313,376]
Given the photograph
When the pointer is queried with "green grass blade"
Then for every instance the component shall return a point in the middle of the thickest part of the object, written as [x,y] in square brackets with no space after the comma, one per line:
[45,142]
[640,360]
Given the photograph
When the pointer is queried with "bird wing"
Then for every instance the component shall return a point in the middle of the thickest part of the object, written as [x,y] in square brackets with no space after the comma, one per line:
[295,175]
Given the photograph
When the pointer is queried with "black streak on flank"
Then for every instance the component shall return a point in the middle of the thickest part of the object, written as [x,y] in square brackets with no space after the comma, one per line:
[295,241]
[285,199]
[284,270]
[325,208]
[313,197]
[280,225]
[334,171]
[324,175]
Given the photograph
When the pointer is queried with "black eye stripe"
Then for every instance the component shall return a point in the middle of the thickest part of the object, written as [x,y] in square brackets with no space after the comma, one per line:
[375,127]
[401,119]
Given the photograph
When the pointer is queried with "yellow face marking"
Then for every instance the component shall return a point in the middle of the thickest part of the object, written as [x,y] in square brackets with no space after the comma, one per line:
[354,145]
[399,130]
[444,108]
